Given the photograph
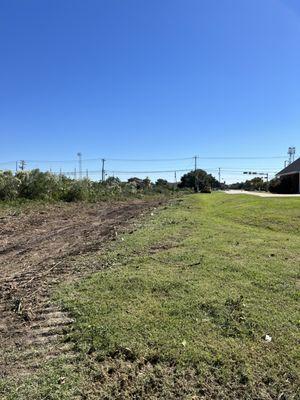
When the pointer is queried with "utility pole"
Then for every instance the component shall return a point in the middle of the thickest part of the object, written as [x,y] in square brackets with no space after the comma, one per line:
[175,177]
[196,188]
[22,165]
[16,166]
[103,170]
[75,173]
[220,175]
[195,158]
[79,155]
[87,174]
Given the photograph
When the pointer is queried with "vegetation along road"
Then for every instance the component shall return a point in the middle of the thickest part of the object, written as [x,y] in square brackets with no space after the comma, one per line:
[199,302]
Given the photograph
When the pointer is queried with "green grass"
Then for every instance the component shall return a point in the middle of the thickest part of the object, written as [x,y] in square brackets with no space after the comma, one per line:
[183,306]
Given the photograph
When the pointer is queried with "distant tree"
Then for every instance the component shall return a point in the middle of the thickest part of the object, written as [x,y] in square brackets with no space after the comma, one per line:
[198,180]
[147,183]
[162,182]
[140,183]
[251,185]
[255,184]
[137,182]
[111,180]
[236,185]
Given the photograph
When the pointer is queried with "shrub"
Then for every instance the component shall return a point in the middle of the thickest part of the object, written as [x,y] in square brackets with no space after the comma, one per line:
[39,185]
[77,191]
[9,186]
[35,184]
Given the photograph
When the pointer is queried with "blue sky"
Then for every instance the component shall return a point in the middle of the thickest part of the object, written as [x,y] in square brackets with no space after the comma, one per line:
[150,79]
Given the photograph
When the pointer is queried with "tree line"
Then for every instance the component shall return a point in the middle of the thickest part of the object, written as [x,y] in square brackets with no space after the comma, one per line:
[35,184]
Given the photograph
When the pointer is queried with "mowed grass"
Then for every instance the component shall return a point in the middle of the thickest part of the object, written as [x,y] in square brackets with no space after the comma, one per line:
[183,306]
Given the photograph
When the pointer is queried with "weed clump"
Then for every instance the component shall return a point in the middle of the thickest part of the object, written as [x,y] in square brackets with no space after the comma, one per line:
[231,317]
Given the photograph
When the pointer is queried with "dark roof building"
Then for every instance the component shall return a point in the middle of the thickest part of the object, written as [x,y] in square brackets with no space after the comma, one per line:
[292,174]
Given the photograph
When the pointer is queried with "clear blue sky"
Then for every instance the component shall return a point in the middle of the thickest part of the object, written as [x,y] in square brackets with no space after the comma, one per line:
[150,79]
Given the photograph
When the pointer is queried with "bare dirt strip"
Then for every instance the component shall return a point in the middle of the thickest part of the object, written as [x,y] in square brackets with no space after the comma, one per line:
[38,247]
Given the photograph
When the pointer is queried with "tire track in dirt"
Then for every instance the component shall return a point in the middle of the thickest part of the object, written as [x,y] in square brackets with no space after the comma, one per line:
[36,251]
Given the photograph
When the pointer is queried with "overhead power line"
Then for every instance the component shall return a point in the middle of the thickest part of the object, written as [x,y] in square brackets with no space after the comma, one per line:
[55,161]
[149,172]
[111,159]
[239,172]
[149,160]
[155,159]
[7,162]
[241,158]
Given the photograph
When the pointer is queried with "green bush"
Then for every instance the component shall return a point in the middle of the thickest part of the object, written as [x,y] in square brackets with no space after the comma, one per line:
[9,186]
[38,185]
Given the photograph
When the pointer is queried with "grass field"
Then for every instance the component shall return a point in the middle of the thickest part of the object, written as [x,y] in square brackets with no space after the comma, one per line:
[183,306]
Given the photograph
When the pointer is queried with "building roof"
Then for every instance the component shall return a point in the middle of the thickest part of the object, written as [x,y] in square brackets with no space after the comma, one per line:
[294,167]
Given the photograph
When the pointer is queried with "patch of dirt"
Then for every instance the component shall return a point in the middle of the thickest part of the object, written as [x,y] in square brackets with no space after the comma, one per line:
[157,248]
[36,252]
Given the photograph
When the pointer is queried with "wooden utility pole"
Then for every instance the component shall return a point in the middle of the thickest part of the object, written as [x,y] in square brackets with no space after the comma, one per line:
[79,155]
[196,188]
[103,170]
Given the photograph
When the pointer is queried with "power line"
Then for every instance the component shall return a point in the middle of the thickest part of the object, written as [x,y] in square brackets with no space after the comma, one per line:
[225,169]
[134,172]
[156,159]
[149,160]
[111,159]
[8,162]
[216,170]
[241,158]
[54,161]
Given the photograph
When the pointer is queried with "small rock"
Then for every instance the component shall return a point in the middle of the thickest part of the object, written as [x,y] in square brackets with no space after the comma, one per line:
[268,338]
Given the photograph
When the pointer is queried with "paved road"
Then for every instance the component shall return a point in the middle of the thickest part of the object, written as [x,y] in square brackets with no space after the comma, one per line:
[261,194]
